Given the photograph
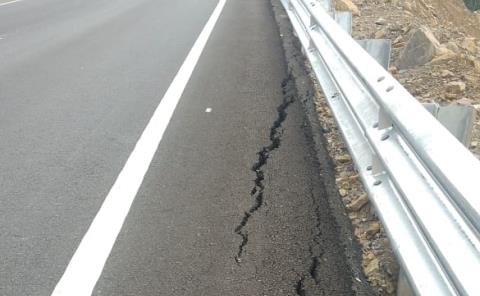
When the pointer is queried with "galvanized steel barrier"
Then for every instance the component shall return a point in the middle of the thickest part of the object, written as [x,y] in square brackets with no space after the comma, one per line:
[423,182]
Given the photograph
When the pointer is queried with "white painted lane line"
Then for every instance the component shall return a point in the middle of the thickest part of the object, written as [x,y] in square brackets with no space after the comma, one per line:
[10,2]
[87,263]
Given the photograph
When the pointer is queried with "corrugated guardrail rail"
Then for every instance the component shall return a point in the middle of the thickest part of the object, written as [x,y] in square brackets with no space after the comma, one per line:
[423,182]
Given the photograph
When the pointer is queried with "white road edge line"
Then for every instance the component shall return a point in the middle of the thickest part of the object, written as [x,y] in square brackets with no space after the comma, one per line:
[10,2]
[86,265]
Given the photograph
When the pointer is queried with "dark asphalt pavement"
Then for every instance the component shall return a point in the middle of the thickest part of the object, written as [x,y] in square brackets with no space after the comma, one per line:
[79,80]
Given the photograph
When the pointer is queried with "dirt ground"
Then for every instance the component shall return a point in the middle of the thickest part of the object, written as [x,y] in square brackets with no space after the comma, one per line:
[456,29]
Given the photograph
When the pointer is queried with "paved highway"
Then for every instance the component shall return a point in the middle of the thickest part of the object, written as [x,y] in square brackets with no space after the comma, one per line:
[154,147]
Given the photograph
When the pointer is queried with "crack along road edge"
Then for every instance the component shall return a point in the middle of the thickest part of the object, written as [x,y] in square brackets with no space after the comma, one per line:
[305,90]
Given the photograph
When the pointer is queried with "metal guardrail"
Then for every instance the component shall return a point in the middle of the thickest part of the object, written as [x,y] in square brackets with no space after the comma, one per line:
[423,182]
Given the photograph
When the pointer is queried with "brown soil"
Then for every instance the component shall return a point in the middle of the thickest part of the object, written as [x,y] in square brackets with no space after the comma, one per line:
[444,18]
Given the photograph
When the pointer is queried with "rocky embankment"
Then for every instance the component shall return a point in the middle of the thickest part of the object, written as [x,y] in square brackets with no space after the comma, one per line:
[436,56]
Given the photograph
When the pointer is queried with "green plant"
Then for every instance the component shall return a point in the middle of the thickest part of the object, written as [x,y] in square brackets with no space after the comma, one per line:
[472,4]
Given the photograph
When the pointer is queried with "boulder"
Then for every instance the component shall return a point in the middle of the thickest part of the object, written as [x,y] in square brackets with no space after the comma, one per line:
[443,55]
[358,203]
[372,267]
[344,158]
[453,46]
[456,87]
[381,34]
[451,97]
[470,45]
[421,48]
[476,65]
[473,79]
[398,40]
[381,21]
[446,73]
[343,192]
[393,70]
[372,228]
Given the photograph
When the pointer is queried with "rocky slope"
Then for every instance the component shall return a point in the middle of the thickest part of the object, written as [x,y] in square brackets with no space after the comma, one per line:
[448,72]
[452,75]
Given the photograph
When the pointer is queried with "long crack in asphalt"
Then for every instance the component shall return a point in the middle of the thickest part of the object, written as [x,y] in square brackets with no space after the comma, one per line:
[300,288]
[257,192]
[316,253]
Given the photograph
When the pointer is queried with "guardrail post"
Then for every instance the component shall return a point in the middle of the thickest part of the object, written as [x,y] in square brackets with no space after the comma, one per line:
[327,5]
[458,119]
[379,49]
[344,19]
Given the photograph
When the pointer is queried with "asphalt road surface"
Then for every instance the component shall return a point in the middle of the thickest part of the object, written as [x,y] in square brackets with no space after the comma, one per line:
[231,202]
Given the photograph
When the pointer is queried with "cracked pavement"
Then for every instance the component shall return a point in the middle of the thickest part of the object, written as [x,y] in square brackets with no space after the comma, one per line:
[248,213]
[276,132]
[236,200]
